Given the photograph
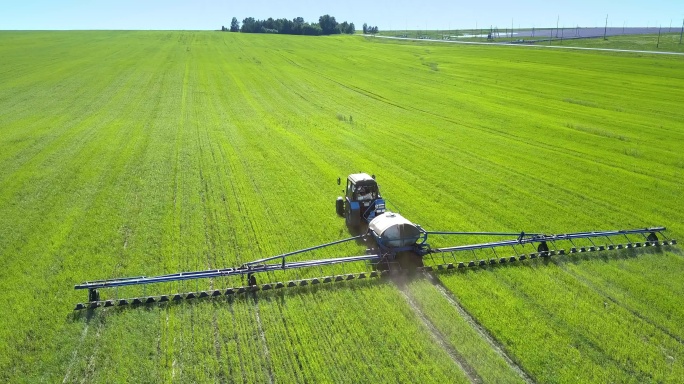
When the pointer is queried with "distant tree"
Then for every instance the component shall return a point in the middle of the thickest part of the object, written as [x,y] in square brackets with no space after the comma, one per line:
[235,25]
[270,23]
[345,27]
[328,25]
[249,25]
[312,29]
[365,28]
[223,28]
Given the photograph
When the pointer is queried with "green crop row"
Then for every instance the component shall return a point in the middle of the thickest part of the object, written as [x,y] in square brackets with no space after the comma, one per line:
[563,329]
[351,332]
[473,346]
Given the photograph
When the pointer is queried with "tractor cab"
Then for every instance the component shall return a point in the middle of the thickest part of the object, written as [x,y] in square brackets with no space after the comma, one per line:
[362,201]
[361,189]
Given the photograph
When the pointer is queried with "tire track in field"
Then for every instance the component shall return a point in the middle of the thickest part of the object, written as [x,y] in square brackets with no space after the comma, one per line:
[206,198]
[441,340]
[267,355]
[217,344]
[294,338]
[207,158]
[75,354]
[178,182]
[91,366]
[560,324]
[493,343]
[166,349]
[236,338]
[617,302]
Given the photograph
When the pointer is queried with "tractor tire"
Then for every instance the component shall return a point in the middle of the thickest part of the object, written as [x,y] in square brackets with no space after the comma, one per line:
[543,247]
[347,215]
[339,206]
[352,219]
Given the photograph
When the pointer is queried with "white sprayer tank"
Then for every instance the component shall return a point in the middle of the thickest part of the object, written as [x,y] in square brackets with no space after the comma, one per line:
[394,230]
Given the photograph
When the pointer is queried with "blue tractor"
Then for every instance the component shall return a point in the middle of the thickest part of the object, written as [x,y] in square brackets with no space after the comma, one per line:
[362,201]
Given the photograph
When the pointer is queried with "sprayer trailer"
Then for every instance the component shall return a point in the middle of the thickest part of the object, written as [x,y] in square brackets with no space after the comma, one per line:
[394,244]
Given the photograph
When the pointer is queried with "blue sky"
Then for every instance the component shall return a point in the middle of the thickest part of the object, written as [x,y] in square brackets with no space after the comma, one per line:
[395,14]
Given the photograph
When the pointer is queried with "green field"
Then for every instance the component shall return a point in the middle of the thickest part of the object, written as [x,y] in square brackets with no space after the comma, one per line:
[668,42]
[142,153]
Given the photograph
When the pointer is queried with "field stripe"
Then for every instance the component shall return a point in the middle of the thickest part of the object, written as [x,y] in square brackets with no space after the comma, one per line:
[495,345]
[525,45]
[439,337]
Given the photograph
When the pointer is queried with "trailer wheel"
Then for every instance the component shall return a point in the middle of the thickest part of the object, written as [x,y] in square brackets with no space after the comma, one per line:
[543,247]
[339,206]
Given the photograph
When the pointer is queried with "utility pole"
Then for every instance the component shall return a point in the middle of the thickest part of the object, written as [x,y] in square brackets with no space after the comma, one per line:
[511,29]
[557,20]
[605,29]
[623,27]
[681,33]
[658,43]
[562,29]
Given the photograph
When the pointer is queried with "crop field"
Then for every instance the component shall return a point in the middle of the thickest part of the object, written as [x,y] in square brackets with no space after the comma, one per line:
[667,42]
[144,153]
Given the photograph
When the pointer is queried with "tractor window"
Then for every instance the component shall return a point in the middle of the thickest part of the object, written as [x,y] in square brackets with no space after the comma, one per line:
[365,193]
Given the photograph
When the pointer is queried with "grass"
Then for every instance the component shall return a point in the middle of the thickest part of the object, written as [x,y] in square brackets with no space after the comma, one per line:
[668,42]
[561,324]
[138,153]
[476,351]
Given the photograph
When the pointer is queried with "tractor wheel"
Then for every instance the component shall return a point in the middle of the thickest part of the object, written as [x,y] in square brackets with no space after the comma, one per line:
[347,215]
[352,220]
[339,206]
[543,247]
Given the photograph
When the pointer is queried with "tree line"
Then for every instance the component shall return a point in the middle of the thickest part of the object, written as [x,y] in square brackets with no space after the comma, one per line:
[327,25]
[368,29]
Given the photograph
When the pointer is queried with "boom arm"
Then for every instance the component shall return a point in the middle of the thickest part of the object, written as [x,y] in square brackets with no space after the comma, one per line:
[422,249]
[528,238]
[246,268]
